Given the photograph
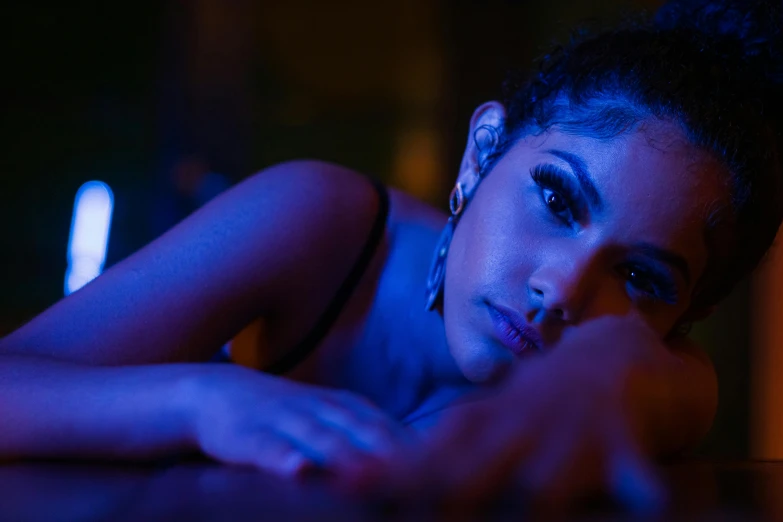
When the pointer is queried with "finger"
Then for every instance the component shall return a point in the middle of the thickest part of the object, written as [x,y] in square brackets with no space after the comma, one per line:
[560,472]
[429,466]
[632,480]
[397,476]
[488,474]
[316,440]
[369,414]
[470,457]
[337,450]
[425,469]
[367,435]
[272,452]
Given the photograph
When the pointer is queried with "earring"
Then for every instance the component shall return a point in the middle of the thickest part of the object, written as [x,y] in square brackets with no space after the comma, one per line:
[437,272]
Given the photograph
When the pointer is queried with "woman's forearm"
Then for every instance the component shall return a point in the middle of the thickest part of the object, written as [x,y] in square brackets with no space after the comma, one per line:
[52,408]
[668,391]
[678,398]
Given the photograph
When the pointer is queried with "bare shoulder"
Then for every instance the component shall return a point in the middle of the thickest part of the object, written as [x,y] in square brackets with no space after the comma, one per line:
[322,188]
[324,208]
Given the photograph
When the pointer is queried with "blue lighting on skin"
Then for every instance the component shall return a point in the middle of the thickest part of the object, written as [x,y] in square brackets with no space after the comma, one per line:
[89,237]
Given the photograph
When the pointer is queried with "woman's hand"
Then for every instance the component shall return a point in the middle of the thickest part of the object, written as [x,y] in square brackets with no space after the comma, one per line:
[288,428]
[563,425]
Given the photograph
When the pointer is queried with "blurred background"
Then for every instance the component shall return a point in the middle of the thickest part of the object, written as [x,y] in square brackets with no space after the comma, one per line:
[170,102]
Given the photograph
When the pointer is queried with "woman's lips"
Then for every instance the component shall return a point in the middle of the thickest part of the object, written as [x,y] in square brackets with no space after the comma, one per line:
[512,331]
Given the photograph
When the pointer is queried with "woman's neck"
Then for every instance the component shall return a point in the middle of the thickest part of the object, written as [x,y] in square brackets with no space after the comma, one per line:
[416,337]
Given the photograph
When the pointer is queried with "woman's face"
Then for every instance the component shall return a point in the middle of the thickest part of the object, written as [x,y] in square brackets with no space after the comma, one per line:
[567,228]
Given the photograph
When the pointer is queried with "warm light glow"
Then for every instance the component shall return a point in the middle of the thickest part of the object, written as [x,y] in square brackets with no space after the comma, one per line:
[89,237]
[767,359]
[417,161]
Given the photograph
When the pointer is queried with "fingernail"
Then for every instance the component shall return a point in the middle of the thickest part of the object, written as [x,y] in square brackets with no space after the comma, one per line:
[639,491]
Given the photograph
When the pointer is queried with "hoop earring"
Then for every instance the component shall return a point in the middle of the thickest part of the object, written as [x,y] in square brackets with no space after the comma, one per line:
[434,292]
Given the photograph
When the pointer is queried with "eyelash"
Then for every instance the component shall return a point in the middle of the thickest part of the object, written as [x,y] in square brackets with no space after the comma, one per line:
[549,177]
[660,287]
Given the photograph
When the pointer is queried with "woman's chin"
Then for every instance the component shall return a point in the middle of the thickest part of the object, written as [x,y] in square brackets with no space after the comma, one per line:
[484,366]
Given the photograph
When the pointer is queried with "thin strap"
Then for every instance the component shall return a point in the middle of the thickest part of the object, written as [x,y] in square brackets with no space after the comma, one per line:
[330,315]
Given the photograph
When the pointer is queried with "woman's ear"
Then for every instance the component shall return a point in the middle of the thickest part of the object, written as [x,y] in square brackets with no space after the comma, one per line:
[486,125]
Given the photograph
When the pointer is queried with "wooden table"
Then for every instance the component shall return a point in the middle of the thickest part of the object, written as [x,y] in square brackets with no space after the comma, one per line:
[51,491]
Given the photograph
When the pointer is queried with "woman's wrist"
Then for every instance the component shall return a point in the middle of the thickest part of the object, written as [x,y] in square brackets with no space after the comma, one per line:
[194,394]
[156,404]
[185,396]
[627,365]
[201,395]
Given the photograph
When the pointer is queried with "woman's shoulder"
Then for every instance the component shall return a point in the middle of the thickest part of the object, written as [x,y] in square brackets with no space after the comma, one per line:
[342,196]
[343,202]
[320,188]
[327,211]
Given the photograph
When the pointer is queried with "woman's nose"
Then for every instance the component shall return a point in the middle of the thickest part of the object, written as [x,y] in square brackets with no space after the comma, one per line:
[561,290]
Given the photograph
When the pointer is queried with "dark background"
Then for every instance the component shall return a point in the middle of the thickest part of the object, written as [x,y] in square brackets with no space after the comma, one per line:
[152,97]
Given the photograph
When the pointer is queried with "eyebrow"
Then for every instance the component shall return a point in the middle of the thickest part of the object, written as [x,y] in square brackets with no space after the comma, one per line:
[666,256]
[588,187]
[582,176]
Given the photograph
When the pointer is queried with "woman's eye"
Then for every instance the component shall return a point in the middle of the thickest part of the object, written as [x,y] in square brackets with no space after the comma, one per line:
[659,288]
[555,201]
[641,281]
[557,193]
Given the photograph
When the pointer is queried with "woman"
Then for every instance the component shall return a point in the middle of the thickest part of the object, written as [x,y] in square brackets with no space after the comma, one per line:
[600,208]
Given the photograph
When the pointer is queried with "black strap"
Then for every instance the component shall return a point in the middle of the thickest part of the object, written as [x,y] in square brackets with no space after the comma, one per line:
[330,315]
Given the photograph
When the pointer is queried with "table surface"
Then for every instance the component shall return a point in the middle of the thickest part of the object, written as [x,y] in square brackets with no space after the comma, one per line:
[50,491]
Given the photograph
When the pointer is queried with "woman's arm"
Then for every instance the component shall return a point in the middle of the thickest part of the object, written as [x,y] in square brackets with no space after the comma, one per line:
[278,244]
[51,408]
[586,416]
[83,379]
[671,389]
[677,398]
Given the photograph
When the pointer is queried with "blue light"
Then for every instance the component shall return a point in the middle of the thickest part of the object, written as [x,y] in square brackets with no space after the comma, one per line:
[89,237]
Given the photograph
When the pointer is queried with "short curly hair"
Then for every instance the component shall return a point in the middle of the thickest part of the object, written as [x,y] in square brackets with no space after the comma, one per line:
[712,68]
